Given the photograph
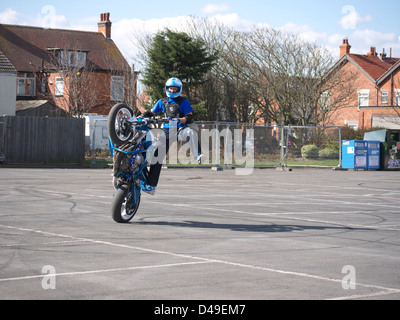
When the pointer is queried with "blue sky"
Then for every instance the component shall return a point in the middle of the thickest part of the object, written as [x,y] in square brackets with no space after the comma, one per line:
[366,23]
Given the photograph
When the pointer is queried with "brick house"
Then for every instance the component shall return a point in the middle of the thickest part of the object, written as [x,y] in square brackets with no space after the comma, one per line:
[78,71]
[376,102]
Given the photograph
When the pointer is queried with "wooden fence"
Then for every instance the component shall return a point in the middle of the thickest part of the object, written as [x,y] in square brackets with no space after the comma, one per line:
[36,140]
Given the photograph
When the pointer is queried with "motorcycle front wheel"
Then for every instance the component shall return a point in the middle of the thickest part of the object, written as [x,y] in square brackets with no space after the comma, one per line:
[125,204]
[117,126]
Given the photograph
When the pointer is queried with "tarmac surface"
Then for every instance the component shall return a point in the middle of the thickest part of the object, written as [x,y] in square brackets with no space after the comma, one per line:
[214,235]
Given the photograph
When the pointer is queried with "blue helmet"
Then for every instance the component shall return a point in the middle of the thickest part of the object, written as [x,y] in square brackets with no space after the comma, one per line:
[173,82]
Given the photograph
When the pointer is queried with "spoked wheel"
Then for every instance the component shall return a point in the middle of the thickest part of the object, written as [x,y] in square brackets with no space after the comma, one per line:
[117,124]
[125,204]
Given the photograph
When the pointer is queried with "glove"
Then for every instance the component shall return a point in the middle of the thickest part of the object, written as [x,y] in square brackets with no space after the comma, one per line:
[147,114]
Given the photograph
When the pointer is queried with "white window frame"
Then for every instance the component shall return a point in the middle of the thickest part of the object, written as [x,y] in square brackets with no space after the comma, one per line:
[385,97]
[325,100]
[28,79]
[351,124]
[363,98]
[117,92]
[397,97]
[59,87]
[44,84]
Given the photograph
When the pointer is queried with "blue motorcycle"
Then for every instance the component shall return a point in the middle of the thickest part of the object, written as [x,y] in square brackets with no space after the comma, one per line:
[131,147]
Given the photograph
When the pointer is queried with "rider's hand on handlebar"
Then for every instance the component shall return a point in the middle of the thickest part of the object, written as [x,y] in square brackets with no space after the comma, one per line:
[147,114]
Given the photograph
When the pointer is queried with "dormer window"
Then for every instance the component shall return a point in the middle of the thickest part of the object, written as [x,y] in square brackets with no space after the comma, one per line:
[69,58]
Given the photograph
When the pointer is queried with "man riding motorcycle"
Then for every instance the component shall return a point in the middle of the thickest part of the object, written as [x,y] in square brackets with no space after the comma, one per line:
[179,110]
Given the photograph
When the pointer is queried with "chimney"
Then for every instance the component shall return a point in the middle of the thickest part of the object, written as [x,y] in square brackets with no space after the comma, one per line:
[372,52]
[382,55]
[345,47]
[105,25]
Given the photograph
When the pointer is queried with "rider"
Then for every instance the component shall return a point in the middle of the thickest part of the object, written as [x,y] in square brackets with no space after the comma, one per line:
[178,109]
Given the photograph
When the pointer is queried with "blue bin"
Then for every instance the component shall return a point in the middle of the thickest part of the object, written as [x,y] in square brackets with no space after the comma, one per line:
[355,154]
[374,155]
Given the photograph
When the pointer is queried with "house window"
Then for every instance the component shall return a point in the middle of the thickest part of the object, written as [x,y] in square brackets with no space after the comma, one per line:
[385,97]
[325,101]
[59,88]
[26,85]
[397,97]
[117,89]
[43,85]
[76,59]
[351,124]
[363,98]
[69,58]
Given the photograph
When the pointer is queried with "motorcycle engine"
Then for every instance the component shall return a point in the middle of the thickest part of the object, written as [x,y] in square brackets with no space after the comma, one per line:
[122,163]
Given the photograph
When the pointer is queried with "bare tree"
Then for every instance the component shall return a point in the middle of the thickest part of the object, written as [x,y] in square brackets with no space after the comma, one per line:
[77,84]
[292,77]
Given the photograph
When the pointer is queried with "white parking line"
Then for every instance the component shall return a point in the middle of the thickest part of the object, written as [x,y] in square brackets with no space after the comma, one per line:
[77,273]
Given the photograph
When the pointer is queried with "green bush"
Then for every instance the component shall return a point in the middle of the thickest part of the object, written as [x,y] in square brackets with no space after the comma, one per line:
[329,153]
[310,151]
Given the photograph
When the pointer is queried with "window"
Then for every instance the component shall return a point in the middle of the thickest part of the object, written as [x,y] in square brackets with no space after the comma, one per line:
[69,57]
[351,124]
[385,97]
[117,89]
[75,59]
[397,97]
[59,89]
[43,85]
[325,101]
[21,87]
[26,85]
[363,98]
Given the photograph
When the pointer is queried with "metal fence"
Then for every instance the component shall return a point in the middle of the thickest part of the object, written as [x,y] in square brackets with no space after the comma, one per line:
[237,144]
[37,140]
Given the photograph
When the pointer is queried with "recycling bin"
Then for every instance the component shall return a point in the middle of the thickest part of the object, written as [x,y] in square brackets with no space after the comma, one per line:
[389,147]
[374,155]
[354,154]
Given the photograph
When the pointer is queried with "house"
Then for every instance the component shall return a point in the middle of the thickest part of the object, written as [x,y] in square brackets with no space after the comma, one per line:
[77,71]
[376,98]
[8,84]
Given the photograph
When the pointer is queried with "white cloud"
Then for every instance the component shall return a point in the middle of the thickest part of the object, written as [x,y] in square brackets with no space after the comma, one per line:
[125,31]
[304,32]
[352,18]
[364,39]
[10,16]
[233,20]
[215,8]
[47,18]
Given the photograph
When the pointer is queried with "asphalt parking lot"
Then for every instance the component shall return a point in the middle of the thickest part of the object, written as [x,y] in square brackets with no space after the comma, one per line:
[305,234]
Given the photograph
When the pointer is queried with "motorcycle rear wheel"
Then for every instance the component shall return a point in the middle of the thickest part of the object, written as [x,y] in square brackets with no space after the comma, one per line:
[124,205]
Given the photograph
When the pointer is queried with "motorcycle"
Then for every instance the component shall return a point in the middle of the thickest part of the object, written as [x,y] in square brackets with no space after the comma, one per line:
[131,145]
